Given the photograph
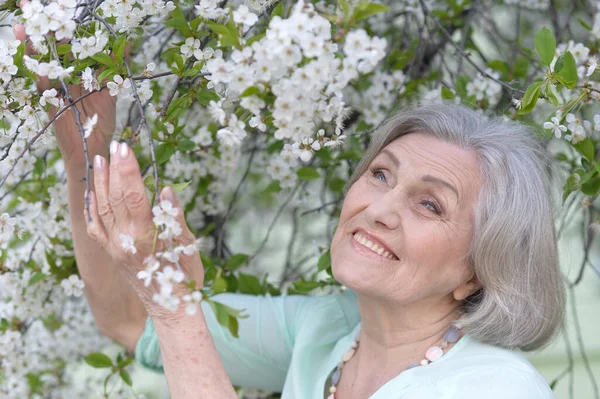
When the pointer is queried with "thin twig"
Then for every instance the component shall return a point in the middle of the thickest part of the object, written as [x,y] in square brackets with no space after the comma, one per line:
[88,164]
[230,207]
[464,54]
[143,121]
[586,362]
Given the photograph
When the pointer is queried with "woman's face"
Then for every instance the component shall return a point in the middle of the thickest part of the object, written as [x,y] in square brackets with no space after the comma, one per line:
[416,201]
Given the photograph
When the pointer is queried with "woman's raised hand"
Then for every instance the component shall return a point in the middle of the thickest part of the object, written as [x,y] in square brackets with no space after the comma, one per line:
[120,211]
[68,136]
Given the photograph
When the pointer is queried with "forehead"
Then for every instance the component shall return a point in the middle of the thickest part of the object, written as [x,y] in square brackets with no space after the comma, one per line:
[425,154]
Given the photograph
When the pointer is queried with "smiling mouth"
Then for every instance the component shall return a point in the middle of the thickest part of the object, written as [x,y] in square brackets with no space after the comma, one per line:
[366,242]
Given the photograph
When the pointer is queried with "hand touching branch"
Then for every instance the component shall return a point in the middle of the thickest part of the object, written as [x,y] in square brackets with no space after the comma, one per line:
[125,226]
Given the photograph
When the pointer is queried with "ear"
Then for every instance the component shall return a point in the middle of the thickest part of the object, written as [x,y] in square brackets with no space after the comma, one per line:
[467,288]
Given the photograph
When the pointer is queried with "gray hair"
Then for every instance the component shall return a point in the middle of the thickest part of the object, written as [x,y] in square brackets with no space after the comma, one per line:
[514,251]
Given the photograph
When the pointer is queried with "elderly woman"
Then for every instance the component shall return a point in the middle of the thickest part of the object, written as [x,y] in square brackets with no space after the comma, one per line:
[446,245]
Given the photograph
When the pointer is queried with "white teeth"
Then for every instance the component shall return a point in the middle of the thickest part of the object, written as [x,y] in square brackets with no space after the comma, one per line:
[372,246]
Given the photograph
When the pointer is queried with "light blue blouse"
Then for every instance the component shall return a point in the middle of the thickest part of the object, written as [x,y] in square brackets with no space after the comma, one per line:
[291,343]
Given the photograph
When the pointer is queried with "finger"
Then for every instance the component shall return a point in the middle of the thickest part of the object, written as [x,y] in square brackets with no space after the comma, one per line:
[116,189]
[130,176]
[101,184]
[95,227]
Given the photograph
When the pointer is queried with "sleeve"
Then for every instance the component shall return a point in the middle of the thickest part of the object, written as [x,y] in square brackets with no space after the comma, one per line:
[490,383]
[260,357]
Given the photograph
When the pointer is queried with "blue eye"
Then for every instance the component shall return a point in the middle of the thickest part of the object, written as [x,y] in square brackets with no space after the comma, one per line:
[432,206]
[376,173]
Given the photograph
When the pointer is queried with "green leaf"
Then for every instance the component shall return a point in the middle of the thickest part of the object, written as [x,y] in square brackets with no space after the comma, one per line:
[248,284]
[591,187]
[236,261]
[221,313]
[234,326]
[119,48]
[499,66]
[520,68]
[364,9]
[186,145]
[219,285]
[164,151]
[324,261]
[191,72]
[569,71]
[228,33]
[586,148]
[549,93]
[63,49]
[226,316]
[304,287]
[345,8]
[98,360]
[530,98]
[104,59]
[572,184]
[273,187]
[584,24]
[250,91]
[278,10]
[308,173]
[461,86]
[179,22]
[107,74]
[205,96]
[206,260]
[36,278]
[125,377]
[178,187]
[337,184]
[447,94]
[560,62]
[545,44]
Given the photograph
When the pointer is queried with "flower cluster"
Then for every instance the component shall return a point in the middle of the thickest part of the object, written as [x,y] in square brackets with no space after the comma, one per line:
[483,87]
[56,17]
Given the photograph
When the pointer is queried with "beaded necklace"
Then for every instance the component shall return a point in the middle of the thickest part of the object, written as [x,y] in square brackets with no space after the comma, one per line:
[434,353]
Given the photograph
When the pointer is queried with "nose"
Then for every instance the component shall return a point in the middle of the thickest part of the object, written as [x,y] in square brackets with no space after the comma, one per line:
[384,213]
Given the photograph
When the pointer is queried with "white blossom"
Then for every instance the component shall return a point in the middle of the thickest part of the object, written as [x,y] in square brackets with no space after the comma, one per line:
[555,126]
[89,126]
[119,86]
[127,243]
[72,286]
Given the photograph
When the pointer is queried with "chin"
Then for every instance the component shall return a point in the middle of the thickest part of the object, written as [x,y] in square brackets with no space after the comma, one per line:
[351,273]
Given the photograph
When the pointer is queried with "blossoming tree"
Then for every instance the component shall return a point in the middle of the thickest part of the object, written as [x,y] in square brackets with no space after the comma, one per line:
[271,101]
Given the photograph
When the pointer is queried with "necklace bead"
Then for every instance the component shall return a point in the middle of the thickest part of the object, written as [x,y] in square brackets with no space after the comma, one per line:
[451,335]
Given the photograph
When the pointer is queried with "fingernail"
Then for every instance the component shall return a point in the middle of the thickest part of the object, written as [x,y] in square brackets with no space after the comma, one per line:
[113,147]
[98,161]
[85,192]
[124,150]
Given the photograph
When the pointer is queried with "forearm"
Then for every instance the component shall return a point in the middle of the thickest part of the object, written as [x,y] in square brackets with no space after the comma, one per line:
[191,362]
[112,300]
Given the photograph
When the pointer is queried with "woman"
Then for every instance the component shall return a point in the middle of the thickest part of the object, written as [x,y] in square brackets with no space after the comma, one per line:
[447,216]
[445,242]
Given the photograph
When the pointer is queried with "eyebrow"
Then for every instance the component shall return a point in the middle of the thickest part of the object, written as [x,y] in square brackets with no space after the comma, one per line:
[392,157]
[426,178]
[437,180]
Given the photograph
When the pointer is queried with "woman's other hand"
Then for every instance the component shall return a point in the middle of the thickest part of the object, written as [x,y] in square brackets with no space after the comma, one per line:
[120,207]
[68,136]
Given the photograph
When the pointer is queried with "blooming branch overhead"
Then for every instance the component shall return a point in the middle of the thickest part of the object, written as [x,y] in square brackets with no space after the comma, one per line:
[261,101]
